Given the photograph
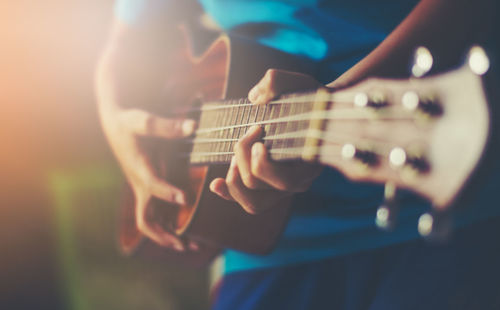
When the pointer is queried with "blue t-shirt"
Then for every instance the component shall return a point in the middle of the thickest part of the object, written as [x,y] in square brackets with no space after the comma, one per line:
[338,34]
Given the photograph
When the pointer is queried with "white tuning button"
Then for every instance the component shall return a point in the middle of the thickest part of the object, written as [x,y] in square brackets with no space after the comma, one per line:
[361,100]
[410,100]
[387,213]
[435,226]
[397,157]
[348,151]
[478,61]
[422,62]
[425,223]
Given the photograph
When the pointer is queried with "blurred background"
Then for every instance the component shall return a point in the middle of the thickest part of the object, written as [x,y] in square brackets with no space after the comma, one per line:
[59,185]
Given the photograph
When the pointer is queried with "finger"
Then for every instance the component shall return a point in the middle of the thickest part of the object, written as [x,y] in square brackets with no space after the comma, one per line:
[243,154]
[290,178]
[219,187]
[147,124]
[152,230]
[167,192]
[237,189]
[276,82]
[252,201]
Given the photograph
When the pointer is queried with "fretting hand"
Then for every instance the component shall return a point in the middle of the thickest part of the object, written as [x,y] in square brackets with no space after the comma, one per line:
[253,180]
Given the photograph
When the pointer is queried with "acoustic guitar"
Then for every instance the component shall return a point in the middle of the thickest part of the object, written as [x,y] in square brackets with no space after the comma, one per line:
[424,134]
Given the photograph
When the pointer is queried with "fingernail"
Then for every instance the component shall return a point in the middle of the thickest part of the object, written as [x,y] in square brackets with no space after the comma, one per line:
[233,161]
[180,198]
[188,127]
[253,95]
[256,150]
[178,247]
[251,131]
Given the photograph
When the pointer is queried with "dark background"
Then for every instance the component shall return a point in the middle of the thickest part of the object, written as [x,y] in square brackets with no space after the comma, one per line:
[59,185]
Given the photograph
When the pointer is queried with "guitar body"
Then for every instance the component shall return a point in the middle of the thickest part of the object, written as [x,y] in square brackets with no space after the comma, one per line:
[227,69]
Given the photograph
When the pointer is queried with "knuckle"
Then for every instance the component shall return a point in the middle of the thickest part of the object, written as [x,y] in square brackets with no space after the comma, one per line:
[271,73]
[238,147]
[257,167]
[269,80]
[249,181]
[231,180]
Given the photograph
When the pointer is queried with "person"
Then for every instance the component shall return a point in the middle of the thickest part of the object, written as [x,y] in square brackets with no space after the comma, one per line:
[331,255]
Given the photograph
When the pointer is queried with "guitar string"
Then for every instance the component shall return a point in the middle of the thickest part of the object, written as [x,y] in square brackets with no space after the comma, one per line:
[337,98]
[380,148]
[339,115]
[307,133]
[344,114]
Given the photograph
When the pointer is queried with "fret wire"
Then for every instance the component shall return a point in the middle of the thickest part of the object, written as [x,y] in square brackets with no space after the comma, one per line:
[238,130]
[287,112]
[224,132]
[232,131]
[265,117]
[272,126]
[216,135]
[294,125]
[279,127]
[248,110]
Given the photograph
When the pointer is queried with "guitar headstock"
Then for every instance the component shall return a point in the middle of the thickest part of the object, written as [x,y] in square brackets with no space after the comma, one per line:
[424,134]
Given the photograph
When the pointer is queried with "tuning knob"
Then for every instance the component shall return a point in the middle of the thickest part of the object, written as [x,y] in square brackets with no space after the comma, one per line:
[422,62]
[478,60]
[412,101]
[398,158]
[375,99]
[435,226]
[349,151]
[387,213]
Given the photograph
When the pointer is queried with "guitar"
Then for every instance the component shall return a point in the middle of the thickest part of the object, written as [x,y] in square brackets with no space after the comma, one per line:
[423,134]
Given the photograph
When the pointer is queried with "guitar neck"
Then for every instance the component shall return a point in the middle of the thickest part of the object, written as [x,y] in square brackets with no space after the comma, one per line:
[287,123]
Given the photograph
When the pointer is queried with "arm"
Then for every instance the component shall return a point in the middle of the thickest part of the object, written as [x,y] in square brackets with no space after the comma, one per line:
[128,83]
[446,27]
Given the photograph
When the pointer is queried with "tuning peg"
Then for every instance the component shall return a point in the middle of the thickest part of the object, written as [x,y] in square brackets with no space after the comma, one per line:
[435,226]
[478,60]
[387,213]
[422,62]
[429,105]
[349,152]
[398,158]
[375,99]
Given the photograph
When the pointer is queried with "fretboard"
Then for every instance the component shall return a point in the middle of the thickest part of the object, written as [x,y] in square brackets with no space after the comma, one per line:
[286,123]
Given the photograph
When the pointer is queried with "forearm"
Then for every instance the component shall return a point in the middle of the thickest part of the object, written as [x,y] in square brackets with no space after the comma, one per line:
[446,27]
